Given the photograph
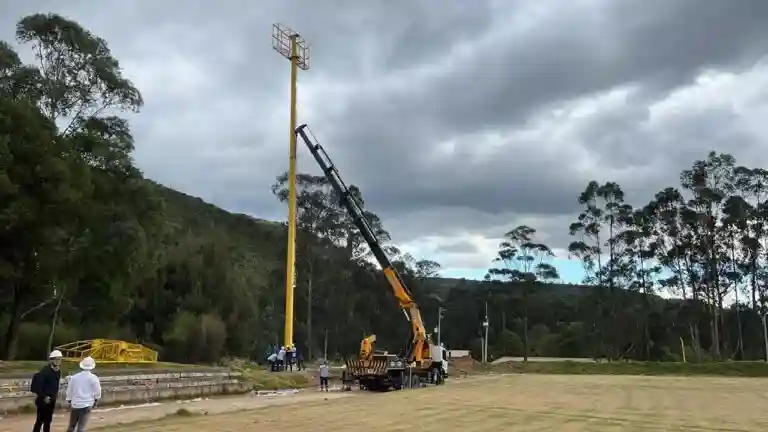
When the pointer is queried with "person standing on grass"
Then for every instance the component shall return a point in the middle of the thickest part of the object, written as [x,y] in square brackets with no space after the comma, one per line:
[291,356]
[281,359]
[324,374]
[299,360]
[45,386]
[83,393]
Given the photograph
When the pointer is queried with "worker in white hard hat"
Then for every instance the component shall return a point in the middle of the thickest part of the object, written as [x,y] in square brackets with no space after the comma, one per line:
[45,386]
[83,393]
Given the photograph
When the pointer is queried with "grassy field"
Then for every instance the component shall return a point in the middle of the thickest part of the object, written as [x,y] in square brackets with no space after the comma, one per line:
[728,369]
[512,402]
[743,369]
[22,367]
[551,366]
[265,380]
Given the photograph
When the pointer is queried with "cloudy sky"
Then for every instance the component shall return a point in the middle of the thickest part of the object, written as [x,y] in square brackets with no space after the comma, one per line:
[458,119]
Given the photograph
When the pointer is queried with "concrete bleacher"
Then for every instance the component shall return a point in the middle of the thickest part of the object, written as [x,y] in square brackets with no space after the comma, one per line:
[133,388]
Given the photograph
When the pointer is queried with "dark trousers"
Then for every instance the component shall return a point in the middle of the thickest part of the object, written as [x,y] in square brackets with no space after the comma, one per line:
[324,383]
[78,417]
[44,415]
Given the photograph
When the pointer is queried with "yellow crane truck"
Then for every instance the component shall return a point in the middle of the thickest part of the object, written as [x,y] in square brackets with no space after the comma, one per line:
[425,362]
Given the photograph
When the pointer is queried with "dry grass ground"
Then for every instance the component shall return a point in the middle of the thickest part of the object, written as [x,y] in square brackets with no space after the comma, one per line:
[519,403]
[498,403]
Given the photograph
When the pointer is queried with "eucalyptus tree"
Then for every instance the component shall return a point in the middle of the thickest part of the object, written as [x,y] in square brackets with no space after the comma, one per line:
[599,249]
[588,249]
[639,268]
[752,186]
[670,241]
[426,269]
[80,79]
[641,248]
[710,181]
[616,215]
[522,260]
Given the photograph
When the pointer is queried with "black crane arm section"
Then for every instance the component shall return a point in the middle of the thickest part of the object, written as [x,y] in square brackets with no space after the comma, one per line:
[403,295]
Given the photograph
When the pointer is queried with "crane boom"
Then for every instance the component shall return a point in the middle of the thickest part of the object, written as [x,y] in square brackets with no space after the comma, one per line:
[420,348]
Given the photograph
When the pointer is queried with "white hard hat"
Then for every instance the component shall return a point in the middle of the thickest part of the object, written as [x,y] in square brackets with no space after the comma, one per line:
[55,354]
[87,363]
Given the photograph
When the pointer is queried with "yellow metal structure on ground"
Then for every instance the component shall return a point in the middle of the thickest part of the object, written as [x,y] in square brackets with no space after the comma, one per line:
[108,351]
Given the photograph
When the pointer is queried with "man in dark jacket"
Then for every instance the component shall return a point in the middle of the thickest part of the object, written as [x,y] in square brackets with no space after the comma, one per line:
[45,385]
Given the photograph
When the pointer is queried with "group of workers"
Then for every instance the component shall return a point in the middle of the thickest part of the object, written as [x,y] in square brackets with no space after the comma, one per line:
[82,395]
[285,359]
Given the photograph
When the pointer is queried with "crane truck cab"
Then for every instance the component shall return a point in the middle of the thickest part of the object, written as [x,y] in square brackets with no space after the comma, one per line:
[444,360]
[383,371]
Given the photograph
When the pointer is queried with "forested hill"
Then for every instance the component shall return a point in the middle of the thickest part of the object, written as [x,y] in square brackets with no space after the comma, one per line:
[443,284]
[195,213]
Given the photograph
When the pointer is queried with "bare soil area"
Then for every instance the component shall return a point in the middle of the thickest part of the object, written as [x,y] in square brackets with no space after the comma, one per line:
[497,402]
[109,417]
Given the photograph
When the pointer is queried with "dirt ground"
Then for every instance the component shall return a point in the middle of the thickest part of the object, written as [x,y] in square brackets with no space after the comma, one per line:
[501,402]
[108,417]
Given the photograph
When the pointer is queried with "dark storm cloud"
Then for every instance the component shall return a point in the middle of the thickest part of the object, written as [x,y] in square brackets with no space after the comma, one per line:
[657,45]
[450,111]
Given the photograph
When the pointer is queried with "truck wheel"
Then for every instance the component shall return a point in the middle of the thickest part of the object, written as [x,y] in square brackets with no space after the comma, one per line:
[397,381]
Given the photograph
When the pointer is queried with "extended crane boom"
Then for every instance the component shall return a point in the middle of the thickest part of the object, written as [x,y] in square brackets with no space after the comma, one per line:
[420,350]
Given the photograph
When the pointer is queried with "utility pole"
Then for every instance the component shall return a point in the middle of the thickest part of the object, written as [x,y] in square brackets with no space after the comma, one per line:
[325,346]
[765,336]
[762,309]
[485,338]
[440,311]
[291,46]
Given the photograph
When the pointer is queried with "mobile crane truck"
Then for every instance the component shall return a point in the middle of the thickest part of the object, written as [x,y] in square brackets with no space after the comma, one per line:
[376,370]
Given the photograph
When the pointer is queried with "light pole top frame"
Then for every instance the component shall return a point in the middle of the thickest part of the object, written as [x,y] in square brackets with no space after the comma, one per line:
[281,42]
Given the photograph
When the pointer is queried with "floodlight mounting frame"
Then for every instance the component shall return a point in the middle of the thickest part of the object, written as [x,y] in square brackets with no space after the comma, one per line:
[282,37]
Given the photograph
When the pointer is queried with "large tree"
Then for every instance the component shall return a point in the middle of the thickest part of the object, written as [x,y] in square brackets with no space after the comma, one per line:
[43,190]
[524,261]
[76,80]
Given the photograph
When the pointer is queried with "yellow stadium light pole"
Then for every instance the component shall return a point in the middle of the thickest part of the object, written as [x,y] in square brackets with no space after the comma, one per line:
[291,46]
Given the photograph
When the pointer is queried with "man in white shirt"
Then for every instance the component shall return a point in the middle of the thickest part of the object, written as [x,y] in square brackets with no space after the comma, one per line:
[324,375]
[83,392]
[281,359]
[272,360]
